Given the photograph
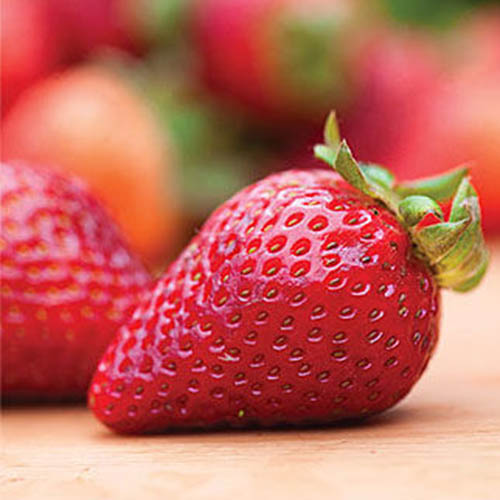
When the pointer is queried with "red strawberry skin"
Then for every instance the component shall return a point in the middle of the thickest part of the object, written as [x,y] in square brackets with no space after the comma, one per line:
[299,301]
[68,282]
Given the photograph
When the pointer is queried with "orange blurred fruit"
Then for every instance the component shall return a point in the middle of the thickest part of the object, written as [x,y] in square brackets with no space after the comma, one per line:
[91,123]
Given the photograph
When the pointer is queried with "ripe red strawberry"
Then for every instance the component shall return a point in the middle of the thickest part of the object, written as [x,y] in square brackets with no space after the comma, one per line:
[303,299]
[276,59]
[67,282]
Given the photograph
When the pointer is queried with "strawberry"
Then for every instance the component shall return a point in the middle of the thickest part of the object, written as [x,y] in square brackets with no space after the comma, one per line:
[476,42]
[276,60]
[396,74]
[91,25]
[462,120]
[464,124]
[310,296]
[30,46]
[70,121]
[68,281]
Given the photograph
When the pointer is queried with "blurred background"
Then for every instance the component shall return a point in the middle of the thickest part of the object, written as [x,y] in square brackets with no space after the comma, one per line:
[167,107]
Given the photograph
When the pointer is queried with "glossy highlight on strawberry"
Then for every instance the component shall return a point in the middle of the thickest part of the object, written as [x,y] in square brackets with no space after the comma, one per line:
[67,282]
[302,300]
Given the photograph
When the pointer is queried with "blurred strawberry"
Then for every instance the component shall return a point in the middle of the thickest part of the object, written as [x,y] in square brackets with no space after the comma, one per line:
[396,75]
[29,46]
[68,282]
[276,59]
[213,149]
[476,43]
[157,22]
[89,122]
[463,127]
[463,123]
[89,25]
[130,25]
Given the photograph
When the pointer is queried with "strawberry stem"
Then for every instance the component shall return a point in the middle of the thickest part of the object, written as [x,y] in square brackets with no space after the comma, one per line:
[455,248]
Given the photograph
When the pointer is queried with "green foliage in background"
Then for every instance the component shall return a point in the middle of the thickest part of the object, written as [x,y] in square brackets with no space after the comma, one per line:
[432,13]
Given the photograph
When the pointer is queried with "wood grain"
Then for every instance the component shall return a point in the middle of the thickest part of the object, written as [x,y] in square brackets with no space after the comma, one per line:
[442,442]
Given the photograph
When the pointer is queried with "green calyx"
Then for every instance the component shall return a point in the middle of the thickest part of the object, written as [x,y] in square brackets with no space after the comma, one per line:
[162,23]
[453,248]
[311,56]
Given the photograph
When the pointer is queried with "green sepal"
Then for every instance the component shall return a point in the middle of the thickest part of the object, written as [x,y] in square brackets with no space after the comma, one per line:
[439,239]
[463,266]
[348,168]
[331,131]
[477,276]
[325,153]
[440,188]
[371,180]
[377,174]
[454,249]
[465,202]
[414,208]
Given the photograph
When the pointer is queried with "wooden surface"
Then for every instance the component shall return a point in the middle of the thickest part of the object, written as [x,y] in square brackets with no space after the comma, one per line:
[442,442]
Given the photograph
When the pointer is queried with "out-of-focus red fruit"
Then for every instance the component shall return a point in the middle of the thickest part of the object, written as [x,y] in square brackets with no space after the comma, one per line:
[476,45]
[89,122]
[462,124]
[68,282]
[91,24]
[29,46]
[276,59]
[396,75]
